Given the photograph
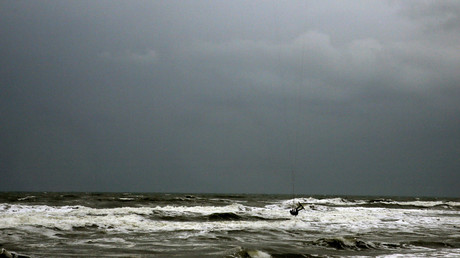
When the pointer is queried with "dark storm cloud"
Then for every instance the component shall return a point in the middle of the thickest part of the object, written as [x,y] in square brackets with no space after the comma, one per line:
[356,97]
[440,17]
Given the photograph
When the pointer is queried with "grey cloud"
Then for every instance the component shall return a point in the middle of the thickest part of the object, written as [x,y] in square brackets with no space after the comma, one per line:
[439,16]
[356,97]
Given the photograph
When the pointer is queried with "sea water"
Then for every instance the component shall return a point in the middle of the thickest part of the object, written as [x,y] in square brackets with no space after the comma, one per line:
[222,225]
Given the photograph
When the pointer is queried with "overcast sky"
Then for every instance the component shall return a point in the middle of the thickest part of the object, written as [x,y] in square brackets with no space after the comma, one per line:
[354,97]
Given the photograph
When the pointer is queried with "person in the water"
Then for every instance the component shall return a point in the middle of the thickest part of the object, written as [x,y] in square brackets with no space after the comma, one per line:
[295,211]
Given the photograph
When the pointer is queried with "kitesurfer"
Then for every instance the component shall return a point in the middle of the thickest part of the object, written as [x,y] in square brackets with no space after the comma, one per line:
[295,211]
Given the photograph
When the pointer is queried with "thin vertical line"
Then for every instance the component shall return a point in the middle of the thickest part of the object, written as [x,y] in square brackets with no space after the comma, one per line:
[297,108]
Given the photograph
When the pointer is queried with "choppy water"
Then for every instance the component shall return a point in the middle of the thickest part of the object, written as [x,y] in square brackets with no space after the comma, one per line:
[145,225]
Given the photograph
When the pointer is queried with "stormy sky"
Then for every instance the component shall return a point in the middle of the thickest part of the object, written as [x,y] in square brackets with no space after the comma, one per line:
[350,97]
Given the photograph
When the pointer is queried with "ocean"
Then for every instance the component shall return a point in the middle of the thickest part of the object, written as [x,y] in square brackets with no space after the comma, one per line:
[227,225]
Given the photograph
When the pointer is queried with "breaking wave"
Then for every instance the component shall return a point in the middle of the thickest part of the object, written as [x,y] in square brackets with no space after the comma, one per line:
[351,243]
[250,225]
[356,244]
[410,203]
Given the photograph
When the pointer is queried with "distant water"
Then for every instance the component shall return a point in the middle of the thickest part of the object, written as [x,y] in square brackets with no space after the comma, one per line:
[216,225]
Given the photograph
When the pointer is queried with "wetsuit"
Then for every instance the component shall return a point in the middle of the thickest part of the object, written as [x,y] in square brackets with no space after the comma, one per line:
[295,211]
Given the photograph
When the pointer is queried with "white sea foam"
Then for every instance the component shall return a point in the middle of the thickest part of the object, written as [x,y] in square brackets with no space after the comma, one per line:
[171,225]
[326,201]
[345,202]
[339,219]
[26,198]
[258,254]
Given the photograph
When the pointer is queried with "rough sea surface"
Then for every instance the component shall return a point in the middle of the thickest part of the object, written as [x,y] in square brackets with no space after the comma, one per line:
[218,225]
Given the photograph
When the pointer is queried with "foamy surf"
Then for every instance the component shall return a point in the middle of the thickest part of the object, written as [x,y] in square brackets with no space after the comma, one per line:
[59,225]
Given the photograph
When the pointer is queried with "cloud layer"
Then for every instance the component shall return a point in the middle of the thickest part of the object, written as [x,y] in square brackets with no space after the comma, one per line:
[355,97]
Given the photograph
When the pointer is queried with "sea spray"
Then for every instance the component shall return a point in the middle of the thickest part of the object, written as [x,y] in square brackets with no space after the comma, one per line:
[132,224]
